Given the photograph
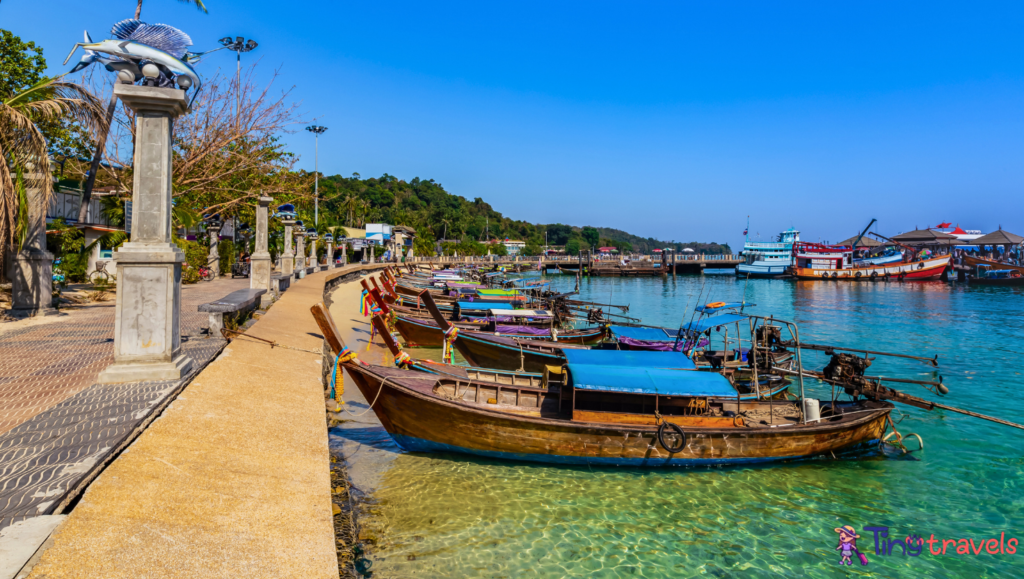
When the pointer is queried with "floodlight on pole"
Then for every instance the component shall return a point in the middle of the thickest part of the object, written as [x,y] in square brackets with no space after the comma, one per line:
[239,45]
[316,130]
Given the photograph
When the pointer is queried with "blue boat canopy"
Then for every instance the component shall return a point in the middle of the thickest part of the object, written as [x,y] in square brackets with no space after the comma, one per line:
[646,334]
[628,358]
[719,320]
[649,381]
[484,306]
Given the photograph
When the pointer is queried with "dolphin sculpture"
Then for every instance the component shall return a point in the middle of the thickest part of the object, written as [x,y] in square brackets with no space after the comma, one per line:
[135,42]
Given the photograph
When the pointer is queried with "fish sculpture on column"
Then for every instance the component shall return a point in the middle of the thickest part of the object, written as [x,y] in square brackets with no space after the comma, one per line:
[135,46]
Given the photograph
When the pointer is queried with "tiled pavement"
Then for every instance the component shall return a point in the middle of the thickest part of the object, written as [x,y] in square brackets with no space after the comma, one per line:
[57,428]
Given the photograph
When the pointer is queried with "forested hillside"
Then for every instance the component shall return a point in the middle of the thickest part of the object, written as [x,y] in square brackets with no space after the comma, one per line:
[437,214]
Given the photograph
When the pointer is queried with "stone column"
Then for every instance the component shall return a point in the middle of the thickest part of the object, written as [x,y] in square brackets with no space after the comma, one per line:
[330,255]
[259,270]
[213,261]
[344,253]
[147,331]
[300,257]
[370,249]
[31,270]
[288,257]
[313,257]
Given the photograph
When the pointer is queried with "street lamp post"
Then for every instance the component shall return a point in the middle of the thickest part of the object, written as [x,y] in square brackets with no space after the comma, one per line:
[316,130]
[239,45]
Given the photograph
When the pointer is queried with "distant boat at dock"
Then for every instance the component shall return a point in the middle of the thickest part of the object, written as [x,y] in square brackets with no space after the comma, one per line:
[769,259]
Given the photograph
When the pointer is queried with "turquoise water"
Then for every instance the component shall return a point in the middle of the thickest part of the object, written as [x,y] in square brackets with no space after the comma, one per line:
[455,516]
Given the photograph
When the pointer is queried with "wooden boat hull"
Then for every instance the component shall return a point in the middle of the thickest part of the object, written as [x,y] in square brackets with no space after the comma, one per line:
[976,261]
[419,421]
[1011,281]
[916,271]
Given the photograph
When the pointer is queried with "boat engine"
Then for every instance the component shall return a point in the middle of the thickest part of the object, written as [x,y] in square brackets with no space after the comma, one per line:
[847,369]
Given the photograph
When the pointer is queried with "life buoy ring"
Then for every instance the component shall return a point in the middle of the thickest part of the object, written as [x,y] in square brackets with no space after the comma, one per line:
[661,437]
[835,275]
[920,265]
[857,275]
[714,305]
[902,275]
[874,276]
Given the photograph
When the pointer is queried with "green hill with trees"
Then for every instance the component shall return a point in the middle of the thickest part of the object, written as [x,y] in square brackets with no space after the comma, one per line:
[438,215]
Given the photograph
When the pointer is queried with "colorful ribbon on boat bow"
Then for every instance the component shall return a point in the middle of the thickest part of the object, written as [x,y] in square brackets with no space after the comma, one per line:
[403,360]
[448,353]
[346,355]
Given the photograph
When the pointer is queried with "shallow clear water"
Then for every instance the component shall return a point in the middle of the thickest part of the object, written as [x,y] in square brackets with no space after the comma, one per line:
[456,516]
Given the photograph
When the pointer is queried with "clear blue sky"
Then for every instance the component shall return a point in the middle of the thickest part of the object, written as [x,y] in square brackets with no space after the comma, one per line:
[673,120]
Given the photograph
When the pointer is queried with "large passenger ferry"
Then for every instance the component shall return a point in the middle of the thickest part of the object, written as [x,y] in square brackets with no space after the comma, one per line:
[769,259]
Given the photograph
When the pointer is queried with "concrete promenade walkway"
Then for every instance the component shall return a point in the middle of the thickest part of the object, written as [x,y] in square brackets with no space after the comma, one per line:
[232,480]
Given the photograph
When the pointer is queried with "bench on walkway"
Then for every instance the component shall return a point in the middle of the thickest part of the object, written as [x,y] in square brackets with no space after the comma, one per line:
[234,303]
[279,283]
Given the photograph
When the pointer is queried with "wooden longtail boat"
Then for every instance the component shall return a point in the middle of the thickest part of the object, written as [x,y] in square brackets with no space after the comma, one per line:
[425,413]
[974,262]
[426,333]
[827,262]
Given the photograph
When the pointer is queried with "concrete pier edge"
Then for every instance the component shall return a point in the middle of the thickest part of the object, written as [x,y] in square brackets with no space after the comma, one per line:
[182,501]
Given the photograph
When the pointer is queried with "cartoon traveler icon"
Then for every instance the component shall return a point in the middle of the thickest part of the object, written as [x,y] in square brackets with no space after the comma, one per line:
[848,546]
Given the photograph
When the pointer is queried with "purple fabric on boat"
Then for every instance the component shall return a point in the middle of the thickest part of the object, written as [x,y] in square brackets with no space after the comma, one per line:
[526,330]
[658,346]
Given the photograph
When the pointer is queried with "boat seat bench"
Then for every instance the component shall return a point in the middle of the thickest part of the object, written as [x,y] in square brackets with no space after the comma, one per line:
[234,303]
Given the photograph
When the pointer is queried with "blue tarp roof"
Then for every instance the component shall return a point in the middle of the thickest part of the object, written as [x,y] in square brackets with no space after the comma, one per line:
[650,381]
[628,358]
[485,306]
[648,334]
[721,320]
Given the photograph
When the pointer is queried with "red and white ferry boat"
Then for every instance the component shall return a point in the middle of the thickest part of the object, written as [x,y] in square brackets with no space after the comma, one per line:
[817,261]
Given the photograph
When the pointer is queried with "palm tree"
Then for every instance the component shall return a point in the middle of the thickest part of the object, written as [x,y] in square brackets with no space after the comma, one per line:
[350,204]
[23,145]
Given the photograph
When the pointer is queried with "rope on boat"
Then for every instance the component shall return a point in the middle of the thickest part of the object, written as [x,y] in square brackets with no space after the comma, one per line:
[238,334]
[347,355]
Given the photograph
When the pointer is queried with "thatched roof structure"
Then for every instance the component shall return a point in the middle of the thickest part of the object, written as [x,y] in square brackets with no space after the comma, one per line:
[864,242]
[998,237]
[927,237]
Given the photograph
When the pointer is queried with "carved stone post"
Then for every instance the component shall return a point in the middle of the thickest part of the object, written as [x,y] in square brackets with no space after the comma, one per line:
[330,254]
[147,332]
[213,261]
[288,257]
[300,257]
[259,270]
[344,253]
[31,270]
[314,260]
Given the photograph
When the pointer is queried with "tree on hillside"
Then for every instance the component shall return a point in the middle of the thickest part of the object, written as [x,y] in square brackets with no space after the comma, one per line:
[573,247]
[559,234]
[591,236]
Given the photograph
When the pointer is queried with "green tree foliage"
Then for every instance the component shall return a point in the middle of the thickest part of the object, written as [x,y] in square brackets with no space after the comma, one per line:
[573,247]
[499,249]
[559,234]
[532,248]
[591,236]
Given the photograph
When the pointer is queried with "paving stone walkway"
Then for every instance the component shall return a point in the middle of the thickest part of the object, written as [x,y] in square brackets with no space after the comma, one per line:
[57,427]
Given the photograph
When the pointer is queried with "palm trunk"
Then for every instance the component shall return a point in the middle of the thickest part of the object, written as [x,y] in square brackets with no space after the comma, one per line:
[138,10]
[101,144]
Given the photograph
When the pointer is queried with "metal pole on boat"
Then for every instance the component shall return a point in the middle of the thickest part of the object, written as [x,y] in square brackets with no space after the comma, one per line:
[799,364]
